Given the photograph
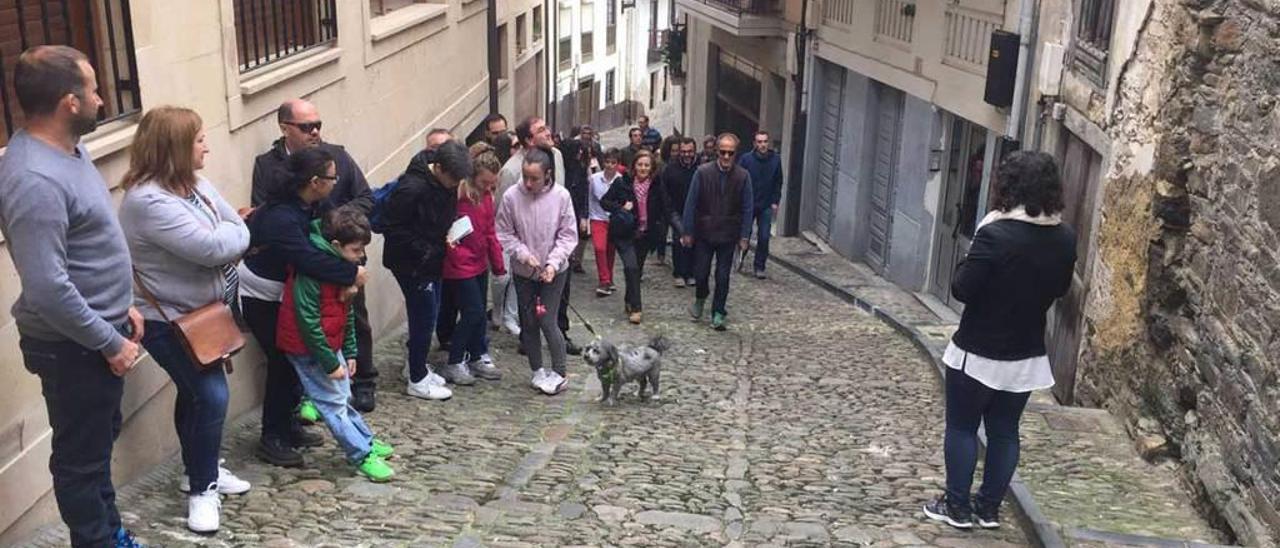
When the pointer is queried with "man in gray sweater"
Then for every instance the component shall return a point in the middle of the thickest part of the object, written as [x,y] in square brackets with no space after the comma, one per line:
[78,331]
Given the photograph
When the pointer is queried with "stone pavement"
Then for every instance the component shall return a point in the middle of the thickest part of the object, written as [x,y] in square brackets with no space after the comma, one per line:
[1078,466]
[808,423]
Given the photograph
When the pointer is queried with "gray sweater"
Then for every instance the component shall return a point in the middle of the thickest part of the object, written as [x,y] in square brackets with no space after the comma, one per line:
[178,248]
[56,214]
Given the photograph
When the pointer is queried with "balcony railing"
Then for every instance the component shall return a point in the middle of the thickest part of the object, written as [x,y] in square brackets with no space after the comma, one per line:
[838,12]
[746,7]
[270,31]
[657,41]
[895,22]
[968,38]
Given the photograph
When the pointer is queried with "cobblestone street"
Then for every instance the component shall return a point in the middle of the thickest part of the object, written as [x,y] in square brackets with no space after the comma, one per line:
[807,423]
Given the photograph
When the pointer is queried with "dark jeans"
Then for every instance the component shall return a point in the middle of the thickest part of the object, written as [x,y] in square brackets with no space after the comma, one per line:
[366,374]
[471,338]
[283,390]
[632,263]
[82,397]
[703,253]
[763,228]
[201,406]
[447,316]
[681,260]
[969,403]
[562,320]
[533,329]
[660,241]
[421,303]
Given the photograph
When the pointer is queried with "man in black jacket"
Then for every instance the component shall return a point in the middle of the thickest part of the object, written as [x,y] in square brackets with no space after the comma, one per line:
[300,125]
[419,214]
[676,177]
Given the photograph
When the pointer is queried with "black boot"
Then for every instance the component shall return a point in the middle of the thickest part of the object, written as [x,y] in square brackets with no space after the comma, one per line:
[362,398]
[276,451]
[301,437]
[570,348]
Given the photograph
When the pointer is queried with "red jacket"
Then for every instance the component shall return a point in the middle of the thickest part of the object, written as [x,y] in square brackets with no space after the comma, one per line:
[480,250]
[315,321]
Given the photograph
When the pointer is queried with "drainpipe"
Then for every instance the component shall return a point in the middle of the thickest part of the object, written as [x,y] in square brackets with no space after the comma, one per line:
[1021,89]
[799,128]
[550,49]
[495,63]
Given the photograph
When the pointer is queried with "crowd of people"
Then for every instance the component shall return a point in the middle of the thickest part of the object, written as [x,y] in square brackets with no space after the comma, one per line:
[178,269]
[508,216]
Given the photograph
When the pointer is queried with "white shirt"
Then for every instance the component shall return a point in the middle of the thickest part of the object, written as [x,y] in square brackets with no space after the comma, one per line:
[1008,375]
[598,188]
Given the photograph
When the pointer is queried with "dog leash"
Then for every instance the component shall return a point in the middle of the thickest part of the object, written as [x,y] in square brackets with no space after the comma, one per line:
[584,321]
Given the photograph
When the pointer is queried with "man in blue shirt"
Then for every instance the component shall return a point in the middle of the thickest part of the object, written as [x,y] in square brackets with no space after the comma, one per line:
[649,137]
[765,167]
[717,215]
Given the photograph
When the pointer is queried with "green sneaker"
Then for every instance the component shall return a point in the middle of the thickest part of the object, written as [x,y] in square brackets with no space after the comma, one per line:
[699,305]
[717,321]
[375,469]
[380,449]
[307,411]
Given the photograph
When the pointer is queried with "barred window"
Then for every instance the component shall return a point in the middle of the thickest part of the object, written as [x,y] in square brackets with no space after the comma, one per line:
[102,29]
[268,31]
[1094,20]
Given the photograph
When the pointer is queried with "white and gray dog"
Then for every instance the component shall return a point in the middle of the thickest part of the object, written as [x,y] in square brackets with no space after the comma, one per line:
[619,364]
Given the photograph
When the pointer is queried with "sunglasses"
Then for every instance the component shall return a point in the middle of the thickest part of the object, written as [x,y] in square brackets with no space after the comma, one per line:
[726,153]
[306,127]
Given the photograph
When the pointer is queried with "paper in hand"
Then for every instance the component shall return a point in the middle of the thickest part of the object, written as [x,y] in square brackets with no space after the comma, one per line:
[461,227]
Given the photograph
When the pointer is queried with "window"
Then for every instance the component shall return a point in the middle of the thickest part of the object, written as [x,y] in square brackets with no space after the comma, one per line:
[588,15]
[103,30]
[608,88]
[537,24]
[503,45]
[565,30]
[521,45]
[611,27]
[382,7]
[1093,39]
[653,88]
[270,31]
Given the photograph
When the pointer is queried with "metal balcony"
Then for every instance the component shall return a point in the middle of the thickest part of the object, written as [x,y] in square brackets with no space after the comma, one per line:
[759,18]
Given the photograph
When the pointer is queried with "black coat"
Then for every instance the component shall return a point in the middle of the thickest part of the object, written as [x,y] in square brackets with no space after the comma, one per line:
[575,176]
[1013,273]
[419,213]
[675,186]
[271,173]
[279,237]
[656,214]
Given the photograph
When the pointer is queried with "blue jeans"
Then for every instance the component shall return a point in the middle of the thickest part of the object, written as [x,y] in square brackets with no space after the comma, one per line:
[969,403]
[421,303]
[201,406]
[764,225]
[82,397]
[333,399]
[470,336]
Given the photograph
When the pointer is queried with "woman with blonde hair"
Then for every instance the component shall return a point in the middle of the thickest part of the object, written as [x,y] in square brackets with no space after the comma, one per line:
[467,265]
[185,241]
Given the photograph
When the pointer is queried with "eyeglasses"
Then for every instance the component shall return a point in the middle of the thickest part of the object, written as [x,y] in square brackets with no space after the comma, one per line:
[327,178]
[726,153]
[306,127]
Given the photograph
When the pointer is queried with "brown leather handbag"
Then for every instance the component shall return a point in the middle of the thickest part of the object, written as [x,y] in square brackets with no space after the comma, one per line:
[209,334]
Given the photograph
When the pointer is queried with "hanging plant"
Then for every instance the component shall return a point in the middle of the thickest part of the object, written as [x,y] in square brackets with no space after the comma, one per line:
[673,51]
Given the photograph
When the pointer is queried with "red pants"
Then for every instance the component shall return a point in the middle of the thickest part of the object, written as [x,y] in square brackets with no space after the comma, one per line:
[604,251]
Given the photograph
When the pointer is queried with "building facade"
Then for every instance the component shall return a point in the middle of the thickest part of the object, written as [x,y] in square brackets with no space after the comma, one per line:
[382,72]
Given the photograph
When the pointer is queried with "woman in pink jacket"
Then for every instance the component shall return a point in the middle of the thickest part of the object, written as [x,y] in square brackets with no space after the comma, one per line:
[537,226]
[466,270]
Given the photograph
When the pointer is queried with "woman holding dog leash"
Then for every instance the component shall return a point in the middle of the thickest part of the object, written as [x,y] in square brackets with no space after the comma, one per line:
[537,226]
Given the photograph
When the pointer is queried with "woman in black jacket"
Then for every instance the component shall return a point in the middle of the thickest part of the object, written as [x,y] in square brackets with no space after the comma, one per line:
[1020,262]
[419,213]
[637,217]
[278,239]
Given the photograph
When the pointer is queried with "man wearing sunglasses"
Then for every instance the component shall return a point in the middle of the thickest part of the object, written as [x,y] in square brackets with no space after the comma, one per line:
[717,215]
[300,127]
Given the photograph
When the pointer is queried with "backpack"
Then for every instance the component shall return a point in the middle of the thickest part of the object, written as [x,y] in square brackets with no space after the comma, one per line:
[381,197]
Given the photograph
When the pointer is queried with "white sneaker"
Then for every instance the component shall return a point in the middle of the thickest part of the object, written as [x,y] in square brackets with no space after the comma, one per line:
[434,378]
[539,379]
[511,326]
[553,383]
[428,389]
[204,511]
[228,483]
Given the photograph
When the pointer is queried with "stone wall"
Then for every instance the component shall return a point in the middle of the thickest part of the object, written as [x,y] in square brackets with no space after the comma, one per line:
[1184,316]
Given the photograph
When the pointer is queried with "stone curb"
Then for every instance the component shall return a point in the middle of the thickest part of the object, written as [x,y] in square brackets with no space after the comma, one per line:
[1042,531]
